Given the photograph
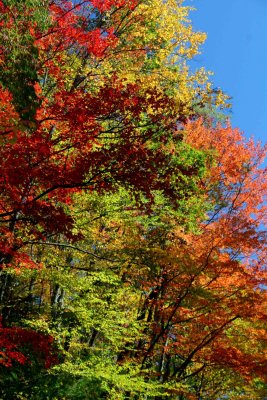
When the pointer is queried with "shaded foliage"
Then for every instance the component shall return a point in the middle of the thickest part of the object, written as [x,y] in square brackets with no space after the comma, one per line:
[132,241]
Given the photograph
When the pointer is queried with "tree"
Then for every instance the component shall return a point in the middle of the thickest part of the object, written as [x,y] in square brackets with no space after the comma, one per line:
[89,131]
[203,293]
[71,120]
[131,240]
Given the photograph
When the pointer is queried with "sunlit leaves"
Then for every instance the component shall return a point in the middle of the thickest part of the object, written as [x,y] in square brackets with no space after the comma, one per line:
[132,231]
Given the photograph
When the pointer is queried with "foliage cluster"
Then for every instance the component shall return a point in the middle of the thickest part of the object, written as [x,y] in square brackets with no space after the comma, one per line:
[132,223]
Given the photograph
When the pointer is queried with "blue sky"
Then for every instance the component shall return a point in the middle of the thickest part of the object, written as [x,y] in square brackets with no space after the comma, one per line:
[236,51]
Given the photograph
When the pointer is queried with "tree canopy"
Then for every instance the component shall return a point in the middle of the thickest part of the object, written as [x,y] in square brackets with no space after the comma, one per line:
[132,217]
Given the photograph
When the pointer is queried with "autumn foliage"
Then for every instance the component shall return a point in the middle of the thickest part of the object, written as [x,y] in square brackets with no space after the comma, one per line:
[132,222]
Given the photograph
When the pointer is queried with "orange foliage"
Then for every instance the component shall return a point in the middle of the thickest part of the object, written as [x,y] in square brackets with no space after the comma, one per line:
[207,305]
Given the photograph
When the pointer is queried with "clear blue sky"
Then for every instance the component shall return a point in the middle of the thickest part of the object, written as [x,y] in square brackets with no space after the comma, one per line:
[236,51]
